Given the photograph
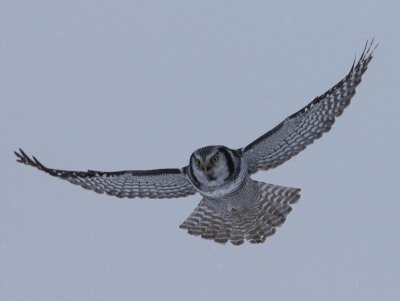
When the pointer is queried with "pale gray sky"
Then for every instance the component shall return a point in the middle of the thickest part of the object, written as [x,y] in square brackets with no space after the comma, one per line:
[113,85]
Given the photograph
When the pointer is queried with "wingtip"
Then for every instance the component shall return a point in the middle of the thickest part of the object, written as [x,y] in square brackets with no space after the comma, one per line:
[366,54]
[369,48]
[16,154]
[376,45]
[38,164]
[20,155]
[23,158]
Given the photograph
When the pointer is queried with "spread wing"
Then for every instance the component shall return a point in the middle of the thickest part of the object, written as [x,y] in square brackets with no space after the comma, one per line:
[302,128]
[158,183]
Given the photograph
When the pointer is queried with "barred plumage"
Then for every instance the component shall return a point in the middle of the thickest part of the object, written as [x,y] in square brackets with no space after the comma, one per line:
[255,224]
[158,183]
[299,130]
[234,207]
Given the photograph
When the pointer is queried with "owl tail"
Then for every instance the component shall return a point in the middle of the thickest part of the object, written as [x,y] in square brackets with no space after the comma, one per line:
[254,224]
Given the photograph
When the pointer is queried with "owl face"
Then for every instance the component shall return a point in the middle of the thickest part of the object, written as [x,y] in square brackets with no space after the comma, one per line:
[212,166]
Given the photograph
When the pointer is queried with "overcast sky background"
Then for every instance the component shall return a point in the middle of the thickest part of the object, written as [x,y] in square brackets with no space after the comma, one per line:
[113,85]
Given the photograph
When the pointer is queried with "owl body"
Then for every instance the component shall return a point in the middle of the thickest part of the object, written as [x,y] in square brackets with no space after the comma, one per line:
[234,207]
[246,209]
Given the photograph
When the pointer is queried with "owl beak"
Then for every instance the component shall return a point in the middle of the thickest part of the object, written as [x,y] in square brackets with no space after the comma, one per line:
[206,168]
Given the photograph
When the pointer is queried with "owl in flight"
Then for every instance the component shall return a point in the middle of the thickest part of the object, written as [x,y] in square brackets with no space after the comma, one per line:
[234,207]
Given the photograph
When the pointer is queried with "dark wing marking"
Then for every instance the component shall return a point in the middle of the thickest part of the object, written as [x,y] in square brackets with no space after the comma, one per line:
[302,128]
[158,183]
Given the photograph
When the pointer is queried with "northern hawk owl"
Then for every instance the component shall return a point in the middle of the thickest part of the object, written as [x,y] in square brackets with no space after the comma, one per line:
[234,207]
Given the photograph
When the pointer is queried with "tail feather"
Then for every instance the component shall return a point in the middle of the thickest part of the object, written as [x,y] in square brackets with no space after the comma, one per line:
[236,237]
[254,224]
[224,233]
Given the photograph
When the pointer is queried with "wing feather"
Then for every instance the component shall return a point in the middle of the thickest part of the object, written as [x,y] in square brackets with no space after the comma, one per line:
[157,183]
[302,128]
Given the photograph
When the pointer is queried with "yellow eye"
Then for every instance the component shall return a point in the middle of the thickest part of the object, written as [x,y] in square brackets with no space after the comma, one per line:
[214,159]
[197,162]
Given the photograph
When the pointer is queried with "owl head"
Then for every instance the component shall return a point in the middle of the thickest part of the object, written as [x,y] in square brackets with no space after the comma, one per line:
[213,166]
